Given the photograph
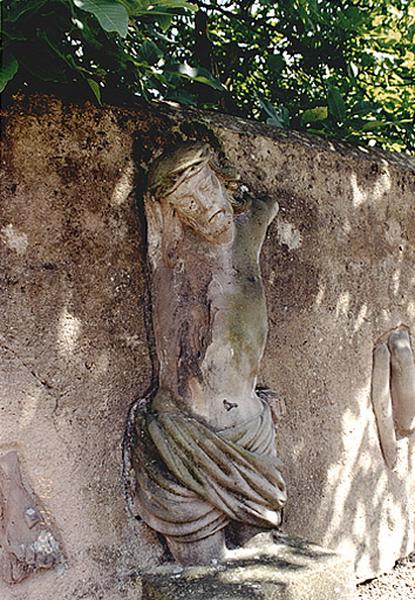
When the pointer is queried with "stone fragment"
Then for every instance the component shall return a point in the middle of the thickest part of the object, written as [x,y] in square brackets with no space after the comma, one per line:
[26,542]
[382,403]
[403,381]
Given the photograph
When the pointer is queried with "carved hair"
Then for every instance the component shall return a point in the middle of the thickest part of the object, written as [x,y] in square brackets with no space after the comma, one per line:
[171,169]
[168,172]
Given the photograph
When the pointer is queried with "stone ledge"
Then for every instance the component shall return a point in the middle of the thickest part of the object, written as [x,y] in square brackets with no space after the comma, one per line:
[270,567]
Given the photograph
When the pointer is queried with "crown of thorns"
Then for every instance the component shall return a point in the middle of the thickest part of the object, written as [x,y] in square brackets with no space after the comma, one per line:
[174,167]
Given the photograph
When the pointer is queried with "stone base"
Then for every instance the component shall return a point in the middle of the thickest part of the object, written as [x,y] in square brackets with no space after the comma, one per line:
[270,567]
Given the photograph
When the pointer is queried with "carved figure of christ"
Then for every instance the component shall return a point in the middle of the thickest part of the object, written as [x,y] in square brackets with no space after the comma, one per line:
[213,432]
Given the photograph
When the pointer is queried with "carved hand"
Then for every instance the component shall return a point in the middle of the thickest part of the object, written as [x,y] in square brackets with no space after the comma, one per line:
[393,391]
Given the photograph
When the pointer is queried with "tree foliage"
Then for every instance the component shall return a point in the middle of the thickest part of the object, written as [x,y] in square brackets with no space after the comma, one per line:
[337,68]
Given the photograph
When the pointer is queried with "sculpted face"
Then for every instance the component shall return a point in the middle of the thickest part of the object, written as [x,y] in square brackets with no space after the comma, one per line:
[202,203]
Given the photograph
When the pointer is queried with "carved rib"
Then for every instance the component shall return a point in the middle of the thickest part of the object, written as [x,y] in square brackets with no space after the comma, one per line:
[382,403]
[219,476]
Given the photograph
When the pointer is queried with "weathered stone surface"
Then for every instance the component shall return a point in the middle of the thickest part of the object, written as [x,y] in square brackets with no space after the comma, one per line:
[73,352]
[285,569]
[338,268]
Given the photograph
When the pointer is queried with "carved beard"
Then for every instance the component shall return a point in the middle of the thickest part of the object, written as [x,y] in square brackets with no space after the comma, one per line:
[216,230]
[166,229]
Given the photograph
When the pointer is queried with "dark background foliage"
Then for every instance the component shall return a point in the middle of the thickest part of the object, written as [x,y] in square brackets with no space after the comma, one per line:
[337,68]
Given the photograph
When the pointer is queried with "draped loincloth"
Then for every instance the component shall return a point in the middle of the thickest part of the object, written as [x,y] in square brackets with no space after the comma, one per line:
[191,481]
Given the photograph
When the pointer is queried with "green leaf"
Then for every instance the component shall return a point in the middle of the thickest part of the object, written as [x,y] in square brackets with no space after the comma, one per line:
[369,125]
[276,63]
[95,88]
[8,70]
[159,7]
[210,81]
[363,107]
[313,115]
[278,116]
[183,97]
[352,69]
[16,9]
[174,4]
[200,75]
[165,22]
[337,107]
[150,52]
[111,15]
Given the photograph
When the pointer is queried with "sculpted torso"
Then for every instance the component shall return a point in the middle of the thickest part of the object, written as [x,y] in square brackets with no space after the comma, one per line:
[205,447]
[209,307]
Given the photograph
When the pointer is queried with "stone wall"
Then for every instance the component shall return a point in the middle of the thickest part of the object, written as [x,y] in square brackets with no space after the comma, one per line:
[338,268]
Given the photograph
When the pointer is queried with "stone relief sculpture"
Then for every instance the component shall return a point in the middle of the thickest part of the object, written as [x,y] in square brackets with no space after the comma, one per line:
[202,451]
[26,542]
[393,390]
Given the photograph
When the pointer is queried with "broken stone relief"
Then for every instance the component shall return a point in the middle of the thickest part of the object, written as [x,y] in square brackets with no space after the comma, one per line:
[393,391]
[26,541]
[201,454]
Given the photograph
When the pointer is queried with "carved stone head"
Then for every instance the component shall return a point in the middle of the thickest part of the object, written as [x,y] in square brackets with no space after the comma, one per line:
[189,186]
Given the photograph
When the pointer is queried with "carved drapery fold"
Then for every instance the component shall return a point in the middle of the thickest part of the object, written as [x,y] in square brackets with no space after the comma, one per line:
[207,478]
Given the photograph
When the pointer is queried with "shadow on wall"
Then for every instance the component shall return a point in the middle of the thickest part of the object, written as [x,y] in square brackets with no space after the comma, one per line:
[348,282]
